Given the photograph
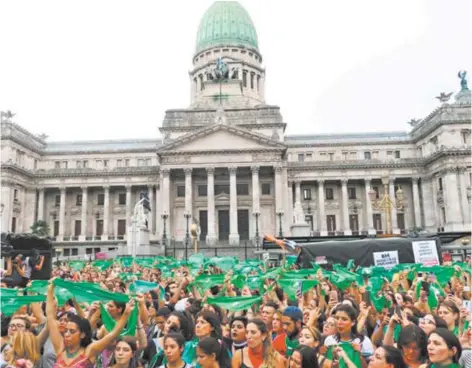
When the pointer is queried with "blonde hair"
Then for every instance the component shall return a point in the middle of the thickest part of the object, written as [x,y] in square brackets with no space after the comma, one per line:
[24,345]
[314,332]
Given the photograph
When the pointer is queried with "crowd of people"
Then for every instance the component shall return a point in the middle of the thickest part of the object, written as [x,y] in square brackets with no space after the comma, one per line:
[222,313]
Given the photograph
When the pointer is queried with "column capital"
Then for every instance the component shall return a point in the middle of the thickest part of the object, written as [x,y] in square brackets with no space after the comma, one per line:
[41,188]
[344,181]
[321,182]
[415,179]
[84,187]
[255,169]
[278,168]
[165,172]
[188,171]
[210,170]
[106,188]
[391,181]
[367,181]
[232,170]
[297,182]
[62,189]
[128,187]
[151,186]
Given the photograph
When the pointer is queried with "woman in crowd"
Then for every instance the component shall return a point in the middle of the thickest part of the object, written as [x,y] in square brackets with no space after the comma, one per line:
[174,345]
[23,345]
[75,349]
[259,352]
[444,349]
[277,328]
[210,354]
[237,339]
[412,343]
[387,357]
[450,313]
[124,354]
[430,322]
[311,337]
[303,357]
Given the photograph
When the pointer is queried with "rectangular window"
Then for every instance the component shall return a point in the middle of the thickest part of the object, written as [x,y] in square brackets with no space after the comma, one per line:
[389,154]
[148,162]
[101,199]
[331,223]
[401,221]
[329,193]
[127,162]
[221,189]
[440,183]
[309,156]
[105,163]
[345,156]
[265,188]
[56,228]
[351,192]
[121,227]
[307,194]
[13,224]
[397,154]
[353,155]
[99,225]
[57,200]
[377,192]
[78,200]
[242,189]
[367,155]
[301,157]
[66,252]
[331,156]
[35,164]
[57,164]
[15,195]
[443,213]
[180,190]
[354,222]
[119,163]
[85,164]
[122,199]
[202,190]
[377,217]
[244,78]
[77,227]
[64,164]
[75,251]
[252,80]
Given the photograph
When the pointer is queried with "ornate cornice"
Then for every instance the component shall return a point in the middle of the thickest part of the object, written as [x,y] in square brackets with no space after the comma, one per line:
[15,169]
[73,173]
[339,143]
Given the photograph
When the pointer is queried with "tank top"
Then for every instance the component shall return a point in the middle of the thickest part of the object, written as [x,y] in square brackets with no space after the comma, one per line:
[81,361]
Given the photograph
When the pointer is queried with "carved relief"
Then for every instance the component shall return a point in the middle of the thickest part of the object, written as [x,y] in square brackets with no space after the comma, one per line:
[265,157]
[176,159]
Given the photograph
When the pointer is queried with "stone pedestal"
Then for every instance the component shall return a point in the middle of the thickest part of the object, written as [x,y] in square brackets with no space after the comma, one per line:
[300,229]
[234,239]
[211,239]
[140,238]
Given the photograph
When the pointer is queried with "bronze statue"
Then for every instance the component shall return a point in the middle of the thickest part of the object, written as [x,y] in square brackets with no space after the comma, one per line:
[462,75]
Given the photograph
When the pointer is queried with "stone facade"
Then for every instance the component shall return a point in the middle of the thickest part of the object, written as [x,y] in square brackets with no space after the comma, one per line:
[227,161]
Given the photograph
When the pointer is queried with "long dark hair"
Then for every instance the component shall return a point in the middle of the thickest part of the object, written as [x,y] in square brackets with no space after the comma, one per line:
[413,333]
[186,326]
[214,321]
[131,341]
[210,345]
[351,312]
[309,357]
[451,341]
[393,356]
[84,327]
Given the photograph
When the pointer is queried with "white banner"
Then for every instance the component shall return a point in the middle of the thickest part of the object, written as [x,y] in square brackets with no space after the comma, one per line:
[425,252]
[386,259]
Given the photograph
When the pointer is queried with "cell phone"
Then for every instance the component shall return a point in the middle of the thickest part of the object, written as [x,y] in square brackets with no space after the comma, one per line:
[466,305]
[398,311]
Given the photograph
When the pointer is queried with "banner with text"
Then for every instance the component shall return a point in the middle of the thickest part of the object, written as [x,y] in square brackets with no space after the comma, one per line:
[386,259]
[425,252]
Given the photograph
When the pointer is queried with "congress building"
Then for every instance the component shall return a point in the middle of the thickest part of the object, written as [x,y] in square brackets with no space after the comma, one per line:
[226,161]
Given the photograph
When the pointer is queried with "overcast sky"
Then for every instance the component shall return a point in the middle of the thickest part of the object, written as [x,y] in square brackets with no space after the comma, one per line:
[99,69]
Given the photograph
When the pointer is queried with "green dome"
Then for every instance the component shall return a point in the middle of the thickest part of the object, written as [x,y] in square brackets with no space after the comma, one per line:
[226,23]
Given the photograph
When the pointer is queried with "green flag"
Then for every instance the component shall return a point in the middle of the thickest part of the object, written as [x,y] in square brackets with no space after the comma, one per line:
[109,322]
[234,303]
[84,293]
[140,286]
[9,304]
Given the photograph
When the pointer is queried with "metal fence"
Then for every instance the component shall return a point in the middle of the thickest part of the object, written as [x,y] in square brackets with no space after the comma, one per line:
[179,250]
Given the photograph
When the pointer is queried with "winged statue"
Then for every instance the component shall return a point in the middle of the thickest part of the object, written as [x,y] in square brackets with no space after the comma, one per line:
[6,116]
[444,97]
[221,71]
[462,74]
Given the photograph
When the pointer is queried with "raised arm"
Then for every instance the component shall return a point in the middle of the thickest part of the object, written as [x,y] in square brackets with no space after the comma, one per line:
[98,346]
[51,312]
[39,266]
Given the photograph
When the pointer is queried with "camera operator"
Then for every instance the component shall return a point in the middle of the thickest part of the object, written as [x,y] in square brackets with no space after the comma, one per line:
[34,262]
[15,273]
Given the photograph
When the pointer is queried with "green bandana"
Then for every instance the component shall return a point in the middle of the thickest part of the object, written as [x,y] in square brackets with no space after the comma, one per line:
[291,345]
[85,293]
[353,355]
[234,303]
[110,323]
[10,304]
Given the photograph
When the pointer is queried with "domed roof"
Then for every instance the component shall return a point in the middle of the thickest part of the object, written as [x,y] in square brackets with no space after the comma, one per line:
[226,23]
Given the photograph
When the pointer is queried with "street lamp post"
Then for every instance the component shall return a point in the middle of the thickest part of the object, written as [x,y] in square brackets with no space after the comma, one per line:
[256,215]
[164,217]
[187,216]
[386,203]
[280,213]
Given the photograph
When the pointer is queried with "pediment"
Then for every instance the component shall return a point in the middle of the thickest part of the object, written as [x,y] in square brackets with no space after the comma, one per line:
[221,137]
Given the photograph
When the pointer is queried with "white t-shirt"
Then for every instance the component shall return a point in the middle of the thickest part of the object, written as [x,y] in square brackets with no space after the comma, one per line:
[367,349]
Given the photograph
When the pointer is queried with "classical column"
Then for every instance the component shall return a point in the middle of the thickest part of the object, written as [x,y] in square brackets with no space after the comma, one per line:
[188,190]
[62,213]
[290,202]
[464,200]
[255,197]
[128,206]
[41,204]
[393,213]
[158,207]
[345,208]
[83,218]
[233,208]
[452,200]
[7,203]
[153,208]
[299,214]
[428,206]
[416,202]
[106,211]
[278,196]
[368,206]
[165,197]
[436,207]
[211,236]
[321,208]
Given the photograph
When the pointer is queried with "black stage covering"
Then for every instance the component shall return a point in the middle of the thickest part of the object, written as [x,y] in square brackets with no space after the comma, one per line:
[359,250]
[28,244]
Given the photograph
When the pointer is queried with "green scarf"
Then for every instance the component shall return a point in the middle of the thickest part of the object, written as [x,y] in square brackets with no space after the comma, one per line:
[291,345]
[9,304]
[354,355]
[234,303]
[110,323]
[82,292]
[452,365]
